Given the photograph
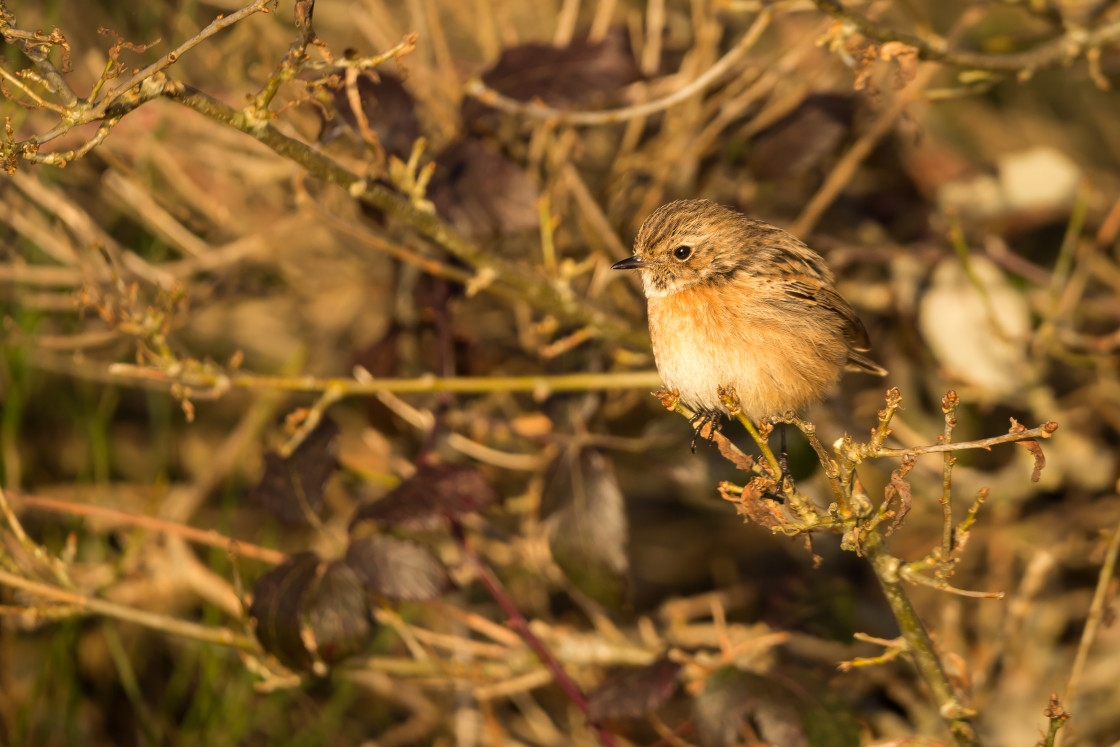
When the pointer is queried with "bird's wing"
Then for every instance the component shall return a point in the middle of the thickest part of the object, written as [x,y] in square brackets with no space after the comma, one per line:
[814,292]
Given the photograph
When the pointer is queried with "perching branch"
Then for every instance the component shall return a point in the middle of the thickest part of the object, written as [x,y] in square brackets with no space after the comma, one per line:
[1058,51]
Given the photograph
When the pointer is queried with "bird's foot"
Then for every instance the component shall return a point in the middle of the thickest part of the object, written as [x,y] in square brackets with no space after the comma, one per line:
[710,419]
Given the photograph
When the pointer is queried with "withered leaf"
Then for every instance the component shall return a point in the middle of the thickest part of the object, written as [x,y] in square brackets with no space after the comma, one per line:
[397,568]
[389,109]
[307,609]
[738,707]
[337,613]
[292,488]
[1032,446]
[802,140]
[588,527]
[899,488]
[753,502]
[579,75]
[634,692]
[277,608]
[482,193]
[426,499]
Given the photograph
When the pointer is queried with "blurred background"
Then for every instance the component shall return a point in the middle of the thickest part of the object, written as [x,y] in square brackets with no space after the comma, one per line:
[971,217]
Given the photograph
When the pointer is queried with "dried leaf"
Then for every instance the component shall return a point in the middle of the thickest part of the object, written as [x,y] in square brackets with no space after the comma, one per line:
[389,109]
[337,616]
[423,501]
[307,609]
[733,453]
[292,488]
[581,75]
[634,692]
[277,608]
[738,708]
[753,502]
[1032,446]
[588,528]
[397,568]
[899,488]
[482,193]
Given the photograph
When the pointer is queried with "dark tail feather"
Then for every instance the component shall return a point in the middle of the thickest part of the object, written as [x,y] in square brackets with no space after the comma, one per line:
[857,362]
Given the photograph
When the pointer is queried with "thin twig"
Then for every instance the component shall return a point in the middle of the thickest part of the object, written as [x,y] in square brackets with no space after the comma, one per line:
[207,537]
[949,407]
[355,387]
[1092,622]
[1043,431]
[517,621]
[153,620]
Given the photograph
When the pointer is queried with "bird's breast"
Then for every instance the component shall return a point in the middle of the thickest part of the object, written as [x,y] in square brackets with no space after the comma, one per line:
[718,335]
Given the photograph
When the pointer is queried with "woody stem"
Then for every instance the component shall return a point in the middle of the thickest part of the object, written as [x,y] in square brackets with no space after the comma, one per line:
[918,643]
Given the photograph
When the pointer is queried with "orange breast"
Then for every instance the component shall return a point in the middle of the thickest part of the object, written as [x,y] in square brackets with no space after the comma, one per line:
[733,335]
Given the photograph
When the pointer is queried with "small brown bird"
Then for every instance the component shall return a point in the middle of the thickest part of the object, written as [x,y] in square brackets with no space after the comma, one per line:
[735,302]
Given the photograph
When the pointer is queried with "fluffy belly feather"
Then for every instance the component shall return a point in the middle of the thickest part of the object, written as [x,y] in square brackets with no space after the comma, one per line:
[775,360]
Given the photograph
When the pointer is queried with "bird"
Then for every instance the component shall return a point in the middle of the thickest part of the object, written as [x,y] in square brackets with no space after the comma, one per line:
[736,303]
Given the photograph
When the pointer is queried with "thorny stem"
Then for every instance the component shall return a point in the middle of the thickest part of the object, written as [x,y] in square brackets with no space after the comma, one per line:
[918,643]
[864,533]
[517,621]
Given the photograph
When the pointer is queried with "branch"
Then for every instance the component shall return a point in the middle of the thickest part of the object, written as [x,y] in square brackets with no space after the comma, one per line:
[1057,51]
[536,291]
[154,620]
[918,642]
[122,518]
[218,382]
[1043,431]
[38,56]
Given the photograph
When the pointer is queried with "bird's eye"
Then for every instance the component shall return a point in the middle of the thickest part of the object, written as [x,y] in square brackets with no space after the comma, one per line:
[682,252]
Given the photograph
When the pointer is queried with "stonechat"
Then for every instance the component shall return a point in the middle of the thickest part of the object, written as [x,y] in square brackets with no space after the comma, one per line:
[735,302]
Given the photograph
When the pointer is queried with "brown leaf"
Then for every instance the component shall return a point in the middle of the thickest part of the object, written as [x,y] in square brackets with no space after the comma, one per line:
[732,453]
[277,608]
[1033,447]
[397,568]
[588,526]
[307,609]
[425,500]
[581,75]
[389,109]
[292,487]
[482,193]
[753,502]
[899,488]
[634,692]
[336,613]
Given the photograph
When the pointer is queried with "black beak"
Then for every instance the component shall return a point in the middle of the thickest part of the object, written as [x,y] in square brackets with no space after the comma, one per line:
[630,263]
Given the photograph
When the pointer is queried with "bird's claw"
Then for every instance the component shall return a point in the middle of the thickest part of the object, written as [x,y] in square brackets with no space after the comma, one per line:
[702,418]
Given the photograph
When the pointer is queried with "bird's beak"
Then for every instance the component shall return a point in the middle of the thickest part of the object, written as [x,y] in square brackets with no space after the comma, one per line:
[630,263]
